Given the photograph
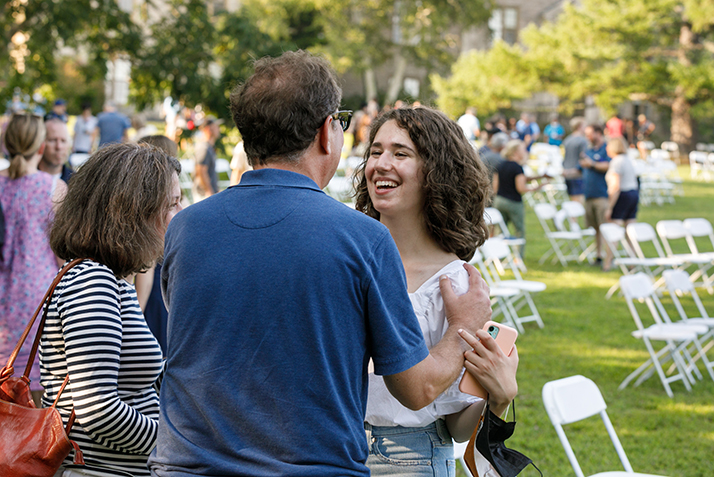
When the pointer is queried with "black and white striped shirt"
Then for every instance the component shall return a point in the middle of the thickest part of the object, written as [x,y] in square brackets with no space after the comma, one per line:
[95,331]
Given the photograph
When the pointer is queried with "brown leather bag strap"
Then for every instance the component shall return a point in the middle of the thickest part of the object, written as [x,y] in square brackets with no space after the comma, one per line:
[8,370]
[38,335]
[73,415]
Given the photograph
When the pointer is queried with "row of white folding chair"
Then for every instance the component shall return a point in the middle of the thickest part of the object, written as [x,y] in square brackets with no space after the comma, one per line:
[670,172]
[673,230]
[502,298]
[555,192]
[628,254]
[188,166]
[679,285]
[642,233]
[573,399]
[701,165]
[568,241]
[624,257]
[495,255]
[676,336]
[499,228]
[671,147]
[655,186]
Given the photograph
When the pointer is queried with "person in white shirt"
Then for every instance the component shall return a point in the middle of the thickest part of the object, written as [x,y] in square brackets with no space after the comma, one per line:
[83,130]
[622,189]
[470,124]
[423,180]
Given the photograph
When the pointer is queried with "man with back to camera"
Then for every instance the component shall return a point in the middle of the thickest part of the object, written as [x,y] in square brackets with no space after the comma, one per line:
[112,126]
[575,146]
[57,145]
[268,349]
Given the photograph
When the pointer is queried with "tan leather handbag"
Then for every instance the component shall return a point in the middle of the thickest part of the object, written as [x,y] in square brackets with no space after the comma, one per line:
[33,442]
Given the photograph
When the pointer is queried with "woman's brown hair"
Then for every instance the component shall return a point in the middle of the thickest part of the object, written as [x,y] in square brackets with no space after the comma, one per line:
[24,136]
[162,142]
[456,182]
[115,208]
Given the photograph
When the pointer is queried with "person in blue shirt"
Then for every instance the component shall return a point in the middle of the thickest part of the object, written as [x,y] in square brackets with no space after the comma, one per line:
[554,131]
[528,130]
[279,296]
[594,167]
[112,126]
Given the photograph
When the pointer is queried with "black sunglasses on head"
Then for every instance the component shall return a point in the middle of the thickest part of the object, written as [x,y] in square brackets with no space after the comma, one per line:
[344,117]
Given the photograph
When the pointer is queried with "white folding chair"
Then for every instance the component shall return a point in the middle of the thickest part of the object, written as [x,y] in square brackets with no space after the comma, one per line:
[699,165]
[671,147]
[494,218]
[699,228]
[641,233]
[575,211]
[506,299]
[576,398]
[679,284]
[186,179]
[622,255]
[671,230]
[676,337]
[223,170]
[625,258]
[564,245]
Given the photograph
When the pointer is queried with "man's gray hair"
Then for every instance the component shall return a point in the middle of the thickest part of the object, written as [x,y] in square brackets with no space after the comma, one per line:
[499,140]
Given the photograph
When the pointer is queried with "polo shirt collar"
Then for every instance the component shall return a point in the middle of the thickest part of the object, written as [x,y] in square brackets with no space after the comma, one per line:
[277,177]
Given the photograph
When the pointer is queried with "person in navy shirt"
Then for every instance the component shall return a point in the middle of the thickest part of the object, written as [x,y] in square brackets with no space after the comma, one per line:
[594,167]
[279,296]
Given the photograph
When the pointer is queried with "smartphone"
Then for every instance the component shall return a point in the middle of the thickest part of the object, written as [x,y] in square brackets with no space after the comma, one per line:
[505,337]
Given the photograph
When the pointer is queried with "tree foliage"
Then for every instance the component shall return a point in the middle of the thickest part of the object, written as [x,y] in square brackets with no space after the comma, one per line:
[177,60]
[618,50]
[35,31]
[489,80]
[365,34]
[196,58]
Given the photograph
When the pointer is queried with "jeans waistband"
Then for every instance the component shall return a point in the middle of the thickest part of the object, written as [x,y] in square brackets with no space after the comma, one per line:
[438,426]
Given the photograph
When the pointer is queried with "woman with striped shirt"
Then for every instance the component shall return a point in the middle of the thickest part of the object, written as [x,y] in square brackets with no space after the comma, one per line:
[115,214]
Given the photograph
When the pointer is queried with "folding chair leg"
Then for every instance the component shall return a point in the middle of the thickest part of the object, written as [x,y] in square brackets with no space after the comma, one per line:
[534,310]
[514,315]
[612,290]
[653,364]
[701,353]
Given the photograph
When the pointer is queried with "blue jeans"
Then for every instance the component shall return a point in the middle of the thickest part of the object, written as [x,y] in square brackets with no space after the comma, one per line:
[411,451]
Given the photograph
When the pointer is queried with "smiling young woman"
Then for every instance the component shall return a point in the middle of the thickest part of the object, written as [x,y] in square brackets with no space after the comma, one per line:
[423,180]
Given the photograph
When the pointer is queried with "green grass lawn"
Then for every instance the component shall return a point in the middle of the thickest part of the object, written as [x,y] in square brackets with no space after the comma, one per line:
[586,334]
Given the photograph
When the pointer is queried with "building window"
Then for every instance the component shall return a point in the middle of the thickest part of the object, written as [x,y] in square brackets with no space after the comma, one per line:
[504,25]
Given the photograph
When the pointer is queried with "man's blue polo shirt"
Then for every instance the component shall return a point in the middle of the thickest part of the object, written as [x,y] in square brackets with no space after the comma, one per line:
[594,185]
[278,295]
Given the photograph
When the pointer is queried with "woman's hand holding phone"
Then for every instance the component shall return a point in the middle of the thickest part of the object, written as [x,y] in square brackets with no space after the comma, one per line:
[491,369]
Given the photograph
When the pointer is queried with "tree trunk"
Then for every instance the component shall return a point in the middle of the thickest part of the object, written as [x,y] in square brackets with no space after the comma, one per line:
[681,121]
[370,84]
[395,82]
[681,117]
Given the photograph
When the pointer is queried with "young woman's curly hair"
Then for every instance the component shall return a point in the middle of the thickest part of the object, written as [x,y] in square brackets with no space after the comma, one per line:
[115,208]
[456,182]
